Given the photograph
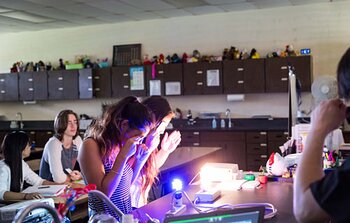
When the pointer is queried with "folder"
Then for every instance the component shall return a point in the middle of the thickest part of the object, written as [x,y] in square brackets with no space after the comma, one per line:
[46,190]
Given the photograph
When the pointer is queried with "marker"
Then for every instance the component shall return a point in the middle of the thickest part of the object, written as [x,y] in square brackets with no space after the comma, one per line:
[43,187]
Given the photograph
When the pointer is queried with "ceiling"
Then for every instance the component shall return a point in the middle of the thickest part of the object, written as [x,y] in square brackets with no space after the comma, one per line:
[32,15]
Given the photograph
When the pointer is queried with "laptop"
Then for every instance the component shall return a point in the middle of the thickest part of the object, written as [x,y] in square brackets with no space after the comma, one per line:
[239,215]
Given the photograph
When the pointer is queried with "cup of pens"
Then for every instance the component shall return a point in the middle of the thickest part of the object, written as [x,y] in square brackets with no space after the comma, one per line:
[330,159]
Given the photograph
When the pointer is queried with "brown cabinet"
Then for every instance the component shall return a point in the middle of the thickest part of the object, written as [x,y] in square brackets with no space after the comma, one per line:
[9,87]
[63,84]
[41,138]
[122,78]
[244,76]
[101,82]
[277,73]
[32,85]
[202,78]
[275,140]
[257,153]
[166,76]
[190,138]
[85,84]
[232,144]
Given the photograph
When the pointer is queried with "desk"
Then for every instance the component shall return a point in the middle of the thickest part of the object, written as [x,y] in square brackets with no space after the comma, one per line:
[280,194]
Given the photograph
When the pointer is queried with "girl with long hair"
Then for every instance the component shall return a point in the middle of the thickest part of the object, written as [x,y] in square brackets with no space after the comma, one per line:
[112,154]
[14,171]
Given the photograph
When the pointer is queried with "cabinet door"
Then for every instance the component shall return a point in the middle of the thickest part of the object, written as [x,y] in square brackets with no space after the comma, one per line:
[190,138]
[71,84]
[102,83]
[233,75]
[212,78]
[276,75]
[303,70]
[275,140]
[42,137]
[55,84]
[155,79]
[9,87]
[85,83]
[63,84]
[254,76]
[40,85]
[173,79]
[26,86]
[193,78]
[122,81]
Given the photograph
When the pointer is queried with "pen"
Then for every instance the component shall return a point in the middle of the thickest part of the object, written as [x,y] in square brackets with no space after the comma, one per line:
[43,187]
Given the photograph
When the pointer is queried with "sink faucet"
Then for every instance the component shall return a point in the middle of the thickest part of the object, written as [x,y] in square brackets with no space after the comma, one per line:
[20,119]
[228,115]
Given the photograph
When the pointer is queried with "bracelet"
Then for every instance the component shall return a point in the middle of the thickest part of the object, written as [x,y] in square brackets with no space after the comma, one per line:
[116,172]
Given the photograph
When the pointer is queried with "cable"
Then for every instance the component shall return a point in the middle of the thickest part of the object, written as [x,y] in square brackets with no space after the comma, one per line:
[194,178]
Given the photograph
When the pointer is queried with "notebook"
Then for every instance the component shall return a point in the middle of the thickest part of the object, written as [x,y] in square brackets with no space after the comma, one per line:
[239,215]
[46,190]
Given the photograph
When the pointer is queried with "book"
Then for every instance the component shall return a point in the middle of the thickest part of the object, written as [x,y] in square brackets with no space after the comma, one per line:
[46,190]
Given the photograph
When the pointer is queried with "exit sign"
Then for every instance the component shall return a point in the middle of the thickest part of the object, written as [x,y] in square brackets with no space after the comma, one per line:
[305,51]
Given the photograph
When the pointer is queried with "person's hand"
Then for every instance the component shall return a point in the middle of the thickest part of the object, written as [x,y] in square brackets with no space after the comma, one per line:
[153,140]
[328,116]
[75,175]
[142,152]
[129,148]
[32,196]
[170,142]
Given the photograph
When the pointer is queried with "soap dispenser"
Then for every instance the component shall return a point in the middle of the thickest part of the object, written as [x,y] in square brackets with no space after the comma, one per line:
[213,123]
[222,123]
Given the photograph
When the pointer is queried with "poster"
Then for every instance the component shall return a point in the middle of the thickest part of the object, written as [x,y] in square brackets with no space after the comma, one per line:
[137,81]
[213,78]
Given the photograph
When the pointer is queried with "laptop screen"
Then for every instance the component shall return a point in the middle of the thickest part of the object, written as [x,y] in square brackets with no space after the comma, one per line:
[241,215]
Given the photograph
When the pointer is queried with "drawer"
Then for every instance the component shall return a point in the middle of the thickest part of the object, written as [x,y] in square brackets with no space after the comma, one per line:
[257,148]
[273,146]
[193,136]
[189,144]
[277,136]
[222,136]
[256,137]
[255,161]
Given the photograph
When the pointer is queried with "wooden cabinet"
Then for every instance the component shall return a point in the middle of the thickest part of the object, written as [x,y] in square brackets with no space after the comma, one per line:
[41,138]
[190,138]
[202,78]
[244,76]
[32,85]
[101,82]
[232,144]
[9,87]
[121,81]
[277,73]
[275,140]
[170,77]
[63,84]
[257,153]
[85,84]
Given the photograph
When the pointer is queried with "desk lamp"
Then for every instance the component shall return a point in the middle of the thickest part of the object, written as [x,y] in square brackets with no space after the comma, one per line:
[177,206]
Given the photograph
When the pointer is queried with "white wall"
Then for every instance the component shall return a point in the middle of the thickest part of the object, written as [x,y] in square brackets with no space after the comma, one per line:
[321,27]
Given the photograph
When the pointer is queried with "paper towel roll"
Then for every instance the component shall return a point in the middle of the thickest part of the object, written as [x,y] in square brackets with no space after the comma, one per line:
[235,97]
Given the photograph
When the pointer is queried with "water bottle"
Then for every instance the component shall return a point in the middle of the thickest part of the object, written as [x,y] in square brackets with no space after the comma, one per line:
[213,123]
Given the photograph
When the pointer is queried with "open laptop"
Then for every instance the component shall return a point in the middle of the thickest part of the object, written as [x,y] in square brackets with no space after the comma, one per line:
[239,215]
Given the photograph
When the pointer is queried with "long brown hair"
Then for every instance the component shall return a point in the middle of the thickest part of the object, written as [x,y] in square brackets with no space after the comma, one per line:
[61,123]
[160,108]
[107,131]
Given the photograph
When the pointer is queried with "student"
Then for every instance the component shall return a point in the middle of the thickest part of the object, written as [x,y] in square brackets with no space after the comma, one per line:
[113,146]
[319,197]
[61,151]
[162,115]
[14,171]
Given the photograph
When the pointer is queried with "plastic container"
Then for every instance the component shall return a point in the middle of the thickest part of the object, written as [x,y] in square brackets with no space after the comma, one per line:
[213,123]
[222,123]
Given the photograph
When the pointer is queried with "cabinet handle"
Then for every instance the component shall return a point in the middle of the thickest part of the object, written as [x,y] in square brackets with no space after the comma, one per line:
[60,88]
[284,79]
[89,77]
[263,144]
[60,78]
[97,77]
[199,72]
[240,82]
[32,132]
[125,74]
[89,89]
[30,89]
[285,133]
[240,69]
[97,89]
[30,79]
[195,133]
[2,79]
[199,83]
[126,86]
[161,72]
[49,133]
[284,68]
[3,92]
[262,133]
[263,156]
[196,144]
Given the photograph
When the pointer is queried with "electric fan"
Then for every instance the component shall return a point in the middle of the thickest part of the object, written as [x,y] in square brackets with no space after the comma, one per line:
[324,88]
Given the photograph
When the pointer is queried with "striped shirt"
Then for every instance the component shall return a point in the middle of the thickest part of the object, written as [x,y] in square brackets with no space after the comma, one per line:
[121,196]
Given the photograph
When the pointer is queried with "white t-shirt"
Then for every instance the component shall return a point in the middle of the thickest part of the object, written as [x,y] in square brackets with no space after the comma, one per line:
[28,174]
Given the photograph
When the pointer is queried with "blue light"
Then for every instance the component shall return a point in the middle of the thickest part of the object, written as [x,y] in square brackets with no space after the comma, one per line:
[305,51]
[176,184]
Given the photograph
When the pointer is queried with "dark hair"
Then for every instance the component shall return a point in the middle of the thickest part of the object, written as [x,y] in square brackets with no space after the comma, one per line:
[61,123]
[343,75]
[12,146]
[159,106]
[107,131]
